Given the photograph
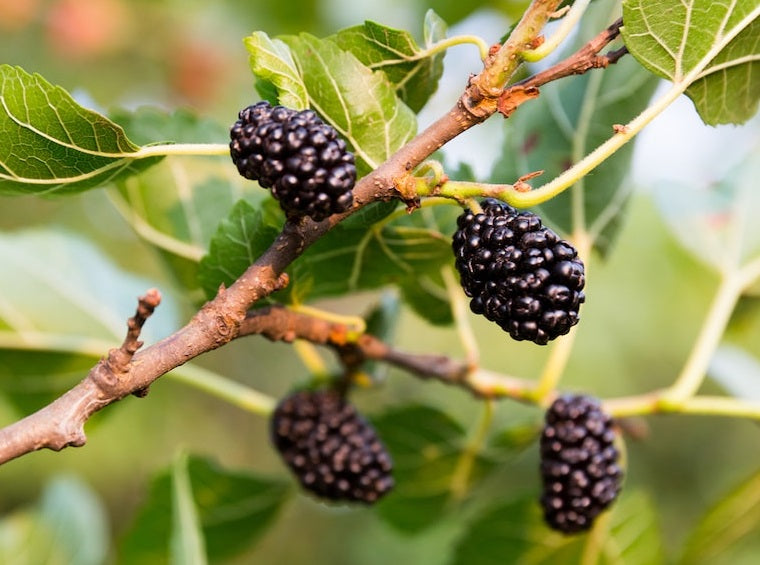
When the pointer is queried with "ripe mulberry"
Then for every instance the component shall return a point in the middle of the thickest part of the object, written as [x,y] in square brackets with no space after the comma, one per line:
[300,158]
[518,273]
[332,450]
[579,463]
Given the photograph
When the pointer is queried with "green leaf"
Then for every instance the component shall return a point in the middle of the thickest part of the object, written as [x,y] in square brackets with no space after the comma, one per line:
[239,240]
[52,145]
[68,525]
[358,102]
[710,47]
[402,251]
[733,519]
[413,70]
[715,221]
[188,546]
[77,519]
[54,328]
[503,534]
[426,446]
[234,510]
[177,205]
[571,118]
[272,61]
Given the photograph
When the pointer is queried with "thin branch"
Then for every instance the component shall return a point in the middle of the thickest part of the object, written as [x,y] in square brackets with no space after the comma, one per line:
[583,60]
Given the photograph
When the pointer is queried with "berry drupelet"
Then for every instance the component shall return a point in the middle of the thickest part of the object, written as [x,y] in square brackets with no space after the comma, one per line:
[579,463]
[518,273]
[296,155]
[332,450]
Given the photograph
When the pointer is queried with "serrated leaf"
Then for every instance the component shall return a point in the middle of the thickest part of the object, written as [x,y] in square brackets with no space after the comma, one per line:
[735,517]
[710,47]
[413,70]
[359,103]
[569,119]
[52,145]
[426,446]
[234,509]
[272,61]
[238,242]
[716,221]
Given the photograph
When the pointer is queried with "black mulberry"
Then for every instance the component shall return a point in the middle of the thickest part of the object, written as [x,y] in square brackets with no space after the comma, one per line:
[296,155]
[332,450]
[518,273]
[579,463]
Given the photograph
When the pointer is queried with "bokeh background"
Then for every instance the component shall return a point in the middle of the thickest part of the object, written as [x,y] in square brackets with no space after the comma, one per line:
[649,295]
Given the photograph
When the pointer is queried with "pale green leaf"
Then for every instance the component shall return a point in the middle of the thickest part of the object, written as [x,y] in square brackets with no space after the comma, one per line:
[358,102]
[52,145]
[735,517]
[712,48]
[413,70]
[272,62]
[188,546]
[737,371]
[716,221]
[69,525]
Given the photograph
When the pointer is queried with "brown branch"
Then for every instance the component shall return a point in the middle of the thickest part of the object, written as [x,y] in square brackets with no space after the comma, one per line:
[61,423]
[278,323]
[583,60]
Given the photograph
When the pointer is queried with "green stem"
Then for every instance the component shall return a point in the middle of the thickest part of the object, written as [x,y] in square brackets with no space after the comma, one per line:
[460,312]
[566,26]
[695,369]
[225,389]
[657,403]
[164,149]
[507,59]
[460,480]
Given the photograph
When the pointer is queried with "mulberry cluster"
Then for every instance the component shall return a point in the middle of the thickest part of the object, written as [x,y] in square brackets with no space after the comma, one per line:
[579,463]
[332,450]
[299,157]
[518,273]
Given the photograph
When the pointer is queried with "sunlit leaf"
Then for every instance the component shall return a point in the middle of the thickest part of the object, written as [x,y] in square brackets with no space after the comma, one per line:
[360,103]
[52,145]
[272,61]
[710,46]
[413,71]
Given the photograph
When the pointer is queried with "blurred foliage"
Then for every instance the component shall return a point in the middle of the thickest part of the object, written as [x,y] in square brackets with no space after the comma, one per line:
[71,270]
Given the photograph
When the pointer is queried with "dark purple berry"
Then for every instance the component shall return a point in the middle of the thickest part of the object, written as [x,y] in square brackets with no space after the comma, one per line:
[332,450]
[518,273]
[579,463]
[299,157]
